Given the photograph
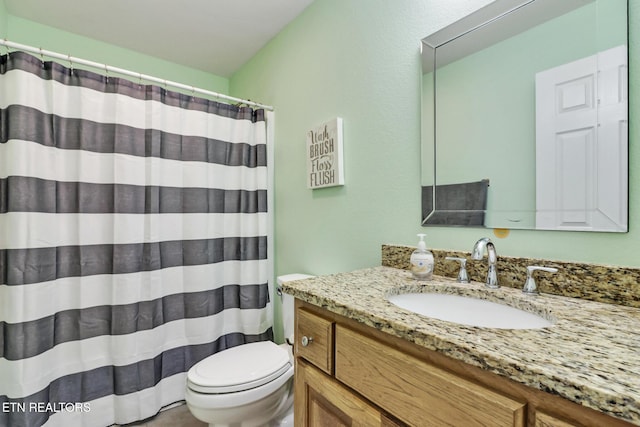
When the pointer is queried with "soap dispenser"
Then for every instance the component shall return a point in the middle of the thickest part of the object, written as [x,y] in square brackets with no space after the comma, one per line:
[421,261]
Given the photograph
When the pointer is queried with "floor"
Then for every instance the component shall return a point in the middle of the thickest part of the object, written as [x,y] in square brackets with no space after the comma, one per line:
[178,416]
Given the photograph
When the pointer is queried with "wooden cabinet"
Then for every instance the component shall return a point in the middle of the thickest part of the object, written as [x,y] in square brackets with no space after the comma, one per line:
[349,374]
[320,401]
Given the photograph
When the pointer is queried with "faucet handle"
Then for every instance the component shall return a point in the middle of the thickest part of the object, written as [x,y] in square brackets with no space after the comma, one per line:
[463,277]
[530,287]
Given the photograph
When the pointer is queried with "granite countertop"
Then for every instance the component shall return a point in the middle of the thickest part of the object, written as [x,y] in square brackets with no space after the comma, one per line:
[590,355]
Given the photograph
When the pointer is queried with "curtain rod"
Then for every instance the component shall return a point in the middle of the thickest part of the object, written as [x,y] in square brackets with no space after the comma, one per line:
[109,68]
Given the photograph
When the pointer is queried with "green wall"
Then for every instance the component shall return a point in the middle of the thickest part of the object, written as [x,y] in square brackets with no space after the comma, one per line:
[359,60]
[339,58]
[3,20]
[31,33]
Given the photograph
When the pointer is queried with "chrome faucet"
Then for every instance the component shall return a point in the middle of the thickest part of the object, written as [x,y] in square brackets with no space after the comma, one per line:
[478,253]
[530,287]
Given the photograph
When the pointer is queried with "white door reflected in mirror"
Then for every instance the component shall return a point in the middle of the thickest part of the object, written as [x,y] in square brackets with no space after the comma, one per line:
[581,144]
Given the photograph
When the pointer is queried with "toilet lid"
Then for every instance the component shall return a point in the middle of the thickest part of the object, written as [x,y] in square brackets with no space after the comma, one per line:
[239,368]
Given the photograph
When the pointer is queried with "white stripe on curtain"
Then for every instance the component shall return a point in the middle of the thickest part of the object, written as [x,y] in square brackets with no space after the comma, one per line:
[134,231]
[167,390]
[82,166]
[38,230]
[39,300]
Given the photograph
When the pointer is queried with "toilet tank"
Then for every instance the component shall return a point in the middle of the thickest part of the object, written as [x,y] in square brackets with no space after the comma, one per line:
[287,303]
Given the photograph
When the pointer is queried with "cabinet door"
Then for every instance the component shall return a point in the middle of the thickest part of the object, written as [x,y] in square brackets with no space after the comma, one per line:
[320,401]
[416,392]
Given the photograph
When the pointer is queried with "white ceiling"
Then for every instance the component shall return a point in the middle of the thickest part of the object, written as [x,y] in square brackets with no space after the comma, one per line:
[217,36]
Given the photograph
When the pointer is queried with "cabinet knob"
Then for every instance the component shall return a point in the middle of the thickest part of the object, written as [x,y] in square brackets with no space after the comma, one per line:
[306,340]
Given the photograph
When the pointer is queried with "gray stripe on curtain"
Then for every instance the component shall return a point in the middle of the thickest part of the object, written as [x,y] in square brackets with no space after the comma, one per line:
[120,380]
[34,265]
[17,195]
[29,339]
[48,70]
[30,124]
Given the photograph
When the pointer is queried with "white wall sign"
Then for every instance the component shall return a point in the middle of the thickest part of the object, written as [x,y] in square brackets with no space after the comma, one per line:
[324,155]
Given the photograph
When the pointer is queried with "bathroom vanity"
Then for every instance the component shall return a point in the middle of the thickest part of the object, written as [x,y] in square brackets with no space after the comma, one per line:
[360,360]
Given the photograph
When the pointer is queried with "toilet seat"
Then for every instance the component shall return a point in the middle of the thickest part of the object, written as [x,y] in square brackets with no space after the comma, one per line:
[240,368]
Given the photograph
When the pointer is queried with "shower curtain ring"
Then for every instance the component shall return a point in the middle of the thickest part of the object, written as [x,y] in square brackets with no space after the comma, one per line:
[41,57]
[106,73]
[70,65]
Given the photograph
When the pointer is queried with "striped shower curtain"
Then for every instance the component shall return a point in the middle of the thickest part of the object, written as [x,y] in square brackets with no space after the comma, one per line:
[133,242]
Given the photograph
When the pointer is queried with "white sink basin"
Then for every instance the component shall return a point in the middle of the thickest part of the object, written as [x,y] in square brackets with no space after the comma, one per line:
[469,311]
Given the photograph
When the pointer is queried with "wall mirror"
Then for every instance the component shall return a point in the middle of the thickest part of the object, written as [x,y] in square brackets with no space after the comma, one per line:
[524,117]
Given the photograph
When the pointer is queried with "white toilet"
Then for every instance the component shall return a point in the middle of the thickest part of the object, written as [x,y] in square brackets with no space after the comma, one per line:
[247,385]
